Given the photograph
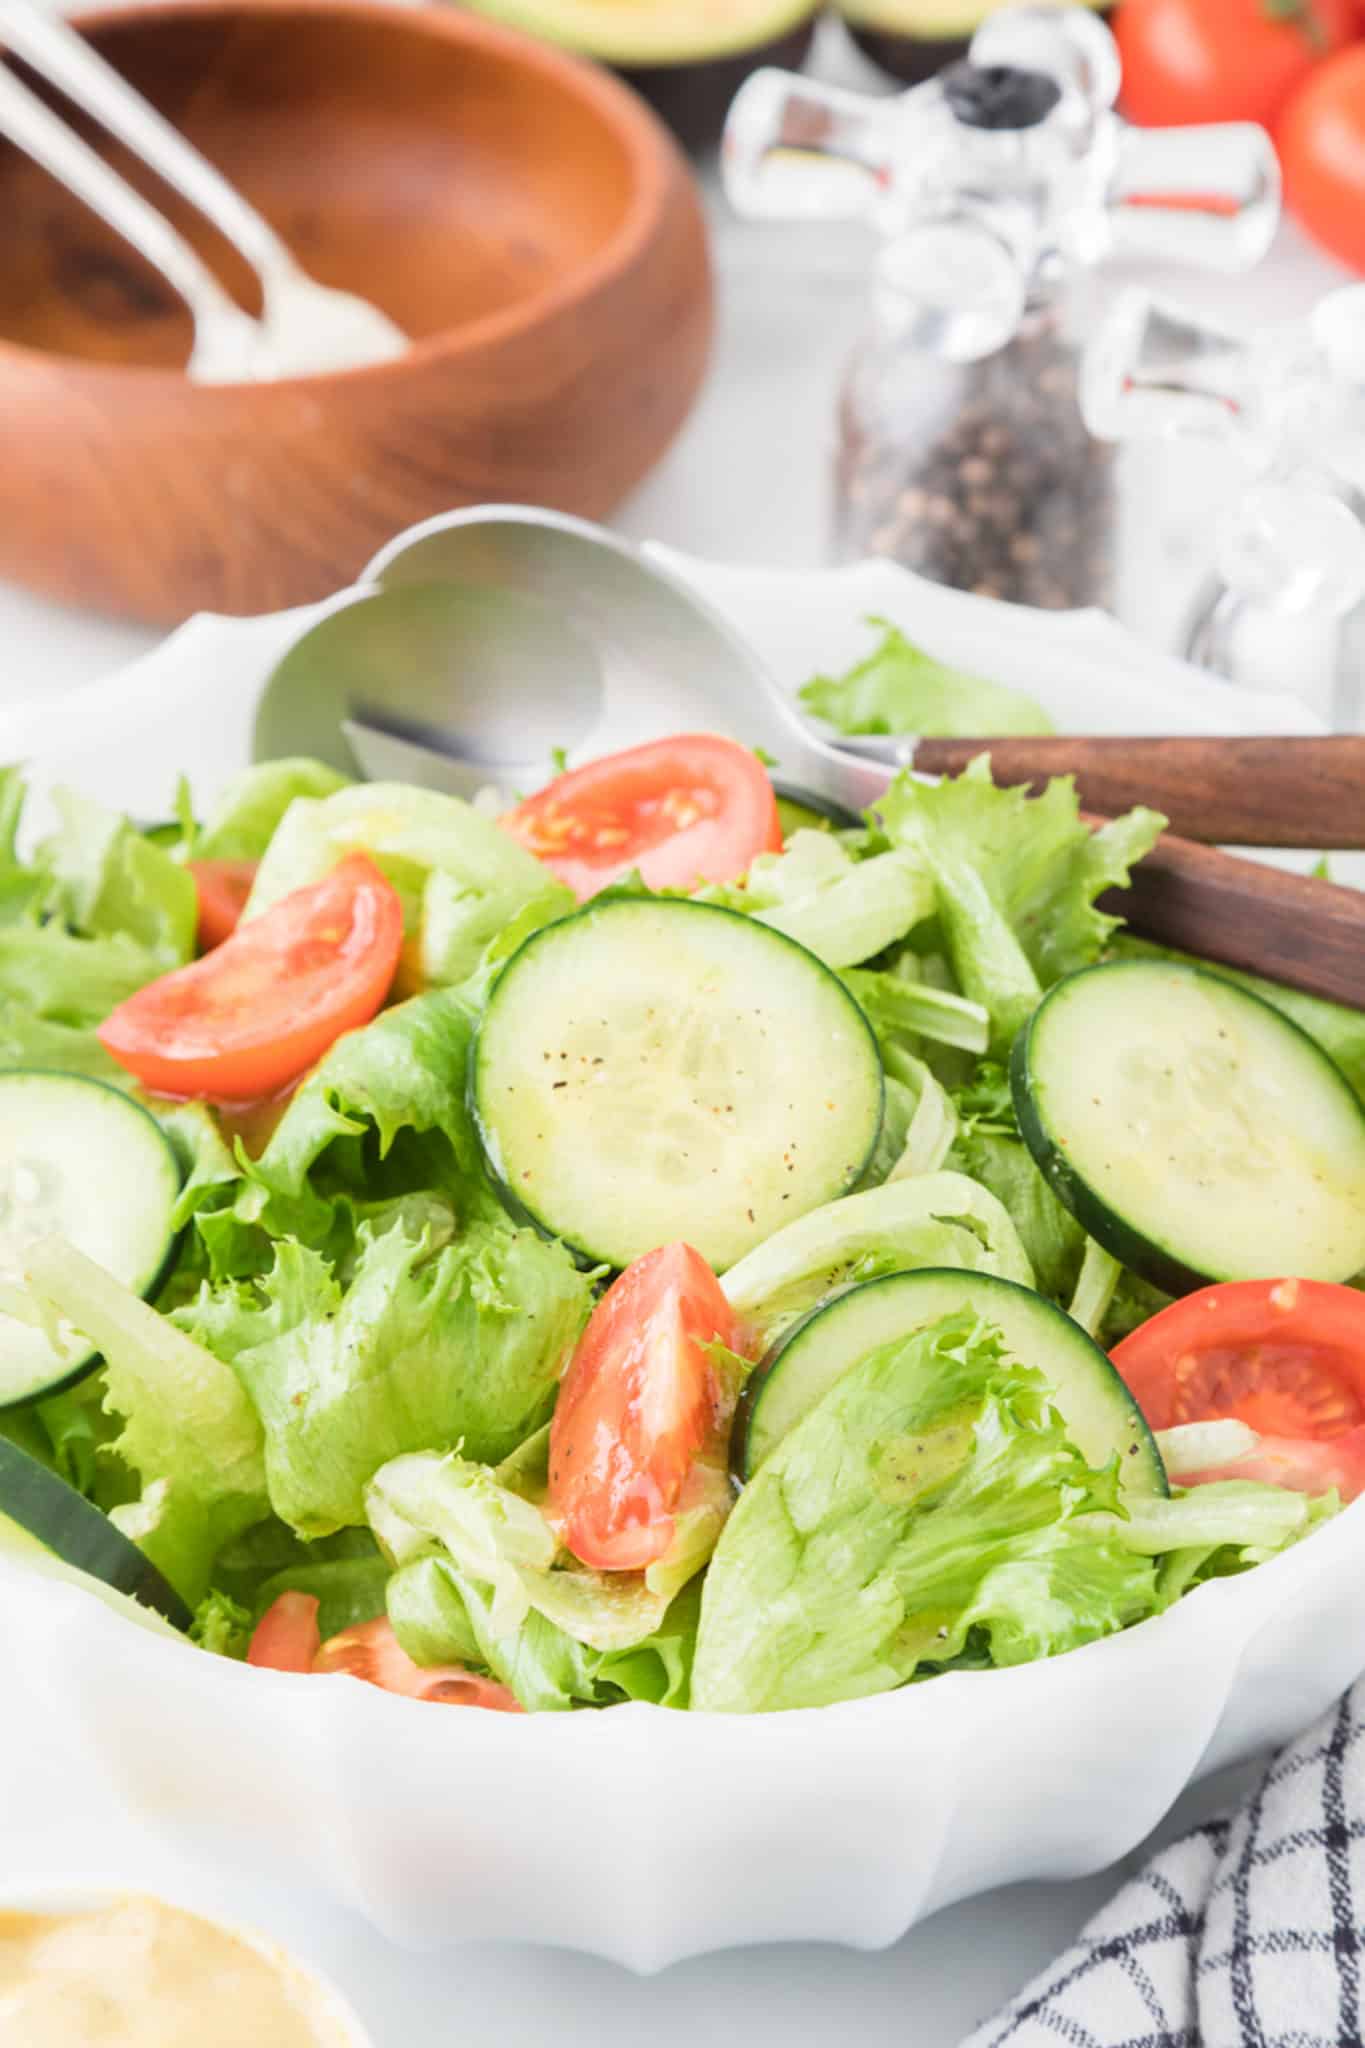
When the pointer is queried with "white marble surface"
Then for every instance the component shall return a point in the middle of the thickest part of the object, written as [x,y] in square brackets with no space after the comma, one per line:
[747,481]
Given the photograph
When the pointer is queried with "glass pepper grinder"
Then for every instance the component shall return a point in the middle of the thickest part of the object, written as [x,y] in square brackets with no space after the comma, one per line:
[1284,605]
[994,189]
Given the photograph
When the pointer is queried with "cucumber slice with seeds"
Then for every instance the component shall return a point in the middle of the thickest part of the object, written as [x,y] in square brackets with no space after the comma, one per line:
[1102,1418]
[653,1069]
[1195,1131]
[82,1160]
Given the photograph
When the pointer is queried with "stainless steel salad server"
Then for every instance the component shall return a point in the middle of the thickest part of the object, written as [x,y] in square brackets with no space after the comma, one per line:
[305,327]
[227,341]
[478,644]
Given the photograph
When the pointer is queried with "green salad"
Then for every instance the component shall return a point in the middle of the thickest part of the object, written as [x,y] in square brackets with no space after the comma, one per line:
[635,1248]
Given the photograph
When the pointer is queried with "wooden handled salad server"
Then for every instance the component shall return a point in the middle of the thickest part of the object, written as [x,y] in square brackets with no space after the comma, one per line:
[477,644]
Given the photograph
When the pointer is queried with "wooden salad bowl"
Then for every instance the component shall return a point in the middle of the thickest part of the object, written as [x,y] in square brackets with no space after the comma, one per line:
[521,214]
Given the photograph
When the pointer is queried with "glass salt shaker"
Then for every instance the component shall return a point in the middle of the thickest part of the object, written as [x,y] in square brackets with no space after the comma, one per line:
[994,189]
[1284,605]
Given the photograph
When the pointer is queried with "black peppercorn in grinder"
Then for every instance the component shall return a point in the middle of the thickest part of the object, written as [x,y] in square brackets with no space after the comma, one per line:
[995,189]
[1284,605]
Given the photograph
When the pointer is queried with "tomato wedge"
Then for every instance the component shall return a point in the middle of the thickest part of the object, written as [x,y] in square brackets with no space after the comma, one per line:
[222,887]
[261,1008]
[639,1402]
[692,809]
[372,1651]
[1286,1357]
[287,1637]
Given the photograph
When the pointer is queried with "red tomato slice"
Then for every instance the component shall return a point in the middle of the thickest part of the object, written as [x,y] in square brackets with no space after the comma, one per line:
[222,887]
[638,1403]
[262,1007]
[683,811]
[287,1637]
[371,1651]
[1285,1356]
[1299,1463]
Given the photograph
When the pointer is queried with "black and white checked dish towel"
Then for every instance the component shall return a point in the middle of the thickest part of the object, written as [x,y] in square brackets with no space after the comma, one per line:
[1248,1933]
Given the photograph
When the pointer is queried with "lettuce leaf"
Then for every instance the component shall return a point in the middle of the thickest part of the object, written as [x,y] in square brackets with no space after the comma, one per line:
[248,811]
[842,910]
[100,912]
[939,1219]
[348,1590]
[441,1617]
[383,1116]
[481,1580]
[222,1626]
[49,975]
[82,1431]
[989,1149]
[23,1427]
[189,1431]
[1241,1531]
[460,876]
[29,1041]
[930,1500]
[423,1348]
[503,1542]
[19,883]
[104,880]
[903,1009]
[1017,878]
[899,688]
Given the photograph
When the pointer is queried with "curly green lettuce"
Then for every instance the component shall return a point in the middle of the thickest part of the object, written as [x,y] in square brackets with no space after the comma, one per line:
[423,1348]
[1017,878]
[898,688]
[190,1432]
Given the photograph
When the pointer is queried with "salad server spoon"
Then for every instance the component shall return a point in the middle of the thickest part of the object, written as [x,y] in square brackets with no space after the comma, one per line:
[488,639]
[482,641]
[305,327]
[227,341]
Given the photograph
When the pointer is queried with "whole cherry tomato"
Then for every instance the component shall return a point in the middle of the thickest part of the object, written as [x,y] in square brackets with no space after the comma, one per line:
[1321,137]
[1223,60]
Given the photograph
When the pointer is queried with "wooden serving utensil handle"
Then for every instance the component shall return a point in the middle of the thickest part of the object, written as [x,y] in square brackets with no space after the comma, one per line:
[1266,791]
[1295,929]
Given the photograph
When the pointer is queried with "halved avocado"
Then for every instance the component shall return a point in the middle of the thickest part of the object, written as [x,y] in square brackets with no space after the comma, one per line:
[688,58]
[912,39]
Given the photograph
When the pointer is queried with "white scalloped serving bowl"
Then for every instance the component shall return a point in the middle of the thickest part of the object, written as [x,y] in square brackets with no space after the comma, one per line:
[638,1834]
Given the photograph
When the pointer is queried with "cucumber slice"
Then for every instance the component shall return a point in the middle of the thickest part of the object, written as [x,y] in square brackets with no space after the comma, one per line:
[82,1160]
[654,1069]
[1102,1418]
[1195,1131]
[64,1522]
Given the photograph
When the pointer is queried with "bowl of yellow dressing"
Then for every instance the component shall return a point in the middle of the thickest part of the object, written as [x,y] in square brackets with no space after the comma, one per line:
[96,1968]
